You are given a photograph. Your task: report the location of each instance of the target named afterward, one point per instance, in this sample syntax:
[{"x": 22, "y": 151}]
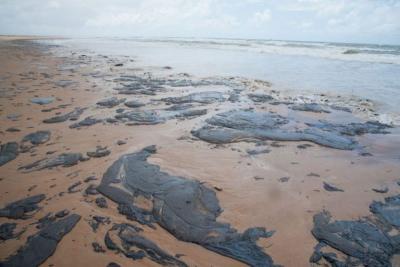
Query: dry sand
[{"x": 286, "y": 207}]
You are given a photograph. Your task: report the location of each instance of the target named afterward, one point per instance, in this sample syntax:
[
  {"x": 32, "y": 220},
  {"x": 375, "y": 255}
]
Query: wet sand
[{"x": 247, "y": 186}]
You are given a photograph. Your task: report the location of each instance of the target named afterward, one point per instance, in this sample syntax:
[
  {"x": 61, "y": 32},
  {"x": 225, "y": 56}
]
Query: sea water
[{"x": 363, "y": 70}]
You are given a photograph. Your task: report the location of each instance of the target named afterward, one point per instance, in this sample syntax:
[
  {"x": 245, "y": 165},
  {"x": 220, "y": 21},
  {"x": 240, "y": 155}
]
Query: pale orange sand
[{"x": 287, "y": 207}]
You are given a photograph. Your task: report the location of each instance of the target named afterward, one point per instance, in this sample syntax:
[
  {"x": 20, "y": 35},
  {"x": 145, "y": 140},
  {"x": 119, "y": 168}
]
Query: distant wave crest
[
  {"x": 351, "y": 51},
  {"x": 342, "y": 51}
]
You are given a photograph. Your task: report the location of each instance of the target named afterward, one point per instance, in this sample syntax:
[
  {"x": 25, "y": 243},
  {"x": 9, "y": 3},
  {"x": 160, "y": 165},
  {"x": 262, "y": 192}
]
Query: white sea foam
[{"x": 389, "y": 54}]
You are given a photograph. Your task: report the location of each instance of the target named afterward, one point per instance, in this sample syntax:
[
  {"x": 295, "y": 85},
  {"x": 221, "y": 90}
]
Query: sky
[{"x": 361, "y": 21}]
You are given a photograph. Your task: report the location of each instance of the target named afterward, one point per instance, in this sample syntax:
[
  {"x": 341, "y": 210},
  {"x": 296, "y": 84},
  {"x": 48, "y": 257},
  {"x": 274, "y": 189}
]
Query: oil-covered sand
[{"x": 222, "y": 155}]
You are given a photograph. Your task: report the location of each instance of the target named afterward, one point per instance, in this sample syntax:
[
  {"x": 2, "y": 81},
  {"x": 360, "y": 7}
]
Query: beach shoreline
[{"x": 246, "y": 177}]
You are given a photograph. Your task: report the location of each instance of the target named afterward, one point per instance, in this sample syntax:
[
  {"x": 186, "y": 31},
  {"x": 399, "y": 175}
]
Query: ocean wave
[
  {"x": 351, "y": 51},
  {"x": 389, "y": 54},
  {"x": 372, "y": 52}
]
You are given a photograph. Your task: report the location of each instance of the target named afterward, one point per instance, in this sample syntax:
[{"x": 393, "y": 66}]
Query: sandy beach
[{"x": 264, "y": 158}]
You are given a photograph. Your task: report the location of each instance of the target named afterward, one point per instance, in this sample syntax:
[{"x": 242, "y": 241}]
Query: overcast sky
[{"x": 374, "y": 21}]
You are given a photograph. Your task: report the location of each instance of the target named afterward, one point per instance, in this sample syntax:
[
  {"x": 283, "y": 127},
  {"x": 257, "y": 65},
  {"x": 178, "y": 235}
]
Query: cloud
[
  {"x": 54, "y": 4},
  {"x": 262, "y": 17},
  {"x": 356, "y": 20},
  {"x": 330, "y": 20}
]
